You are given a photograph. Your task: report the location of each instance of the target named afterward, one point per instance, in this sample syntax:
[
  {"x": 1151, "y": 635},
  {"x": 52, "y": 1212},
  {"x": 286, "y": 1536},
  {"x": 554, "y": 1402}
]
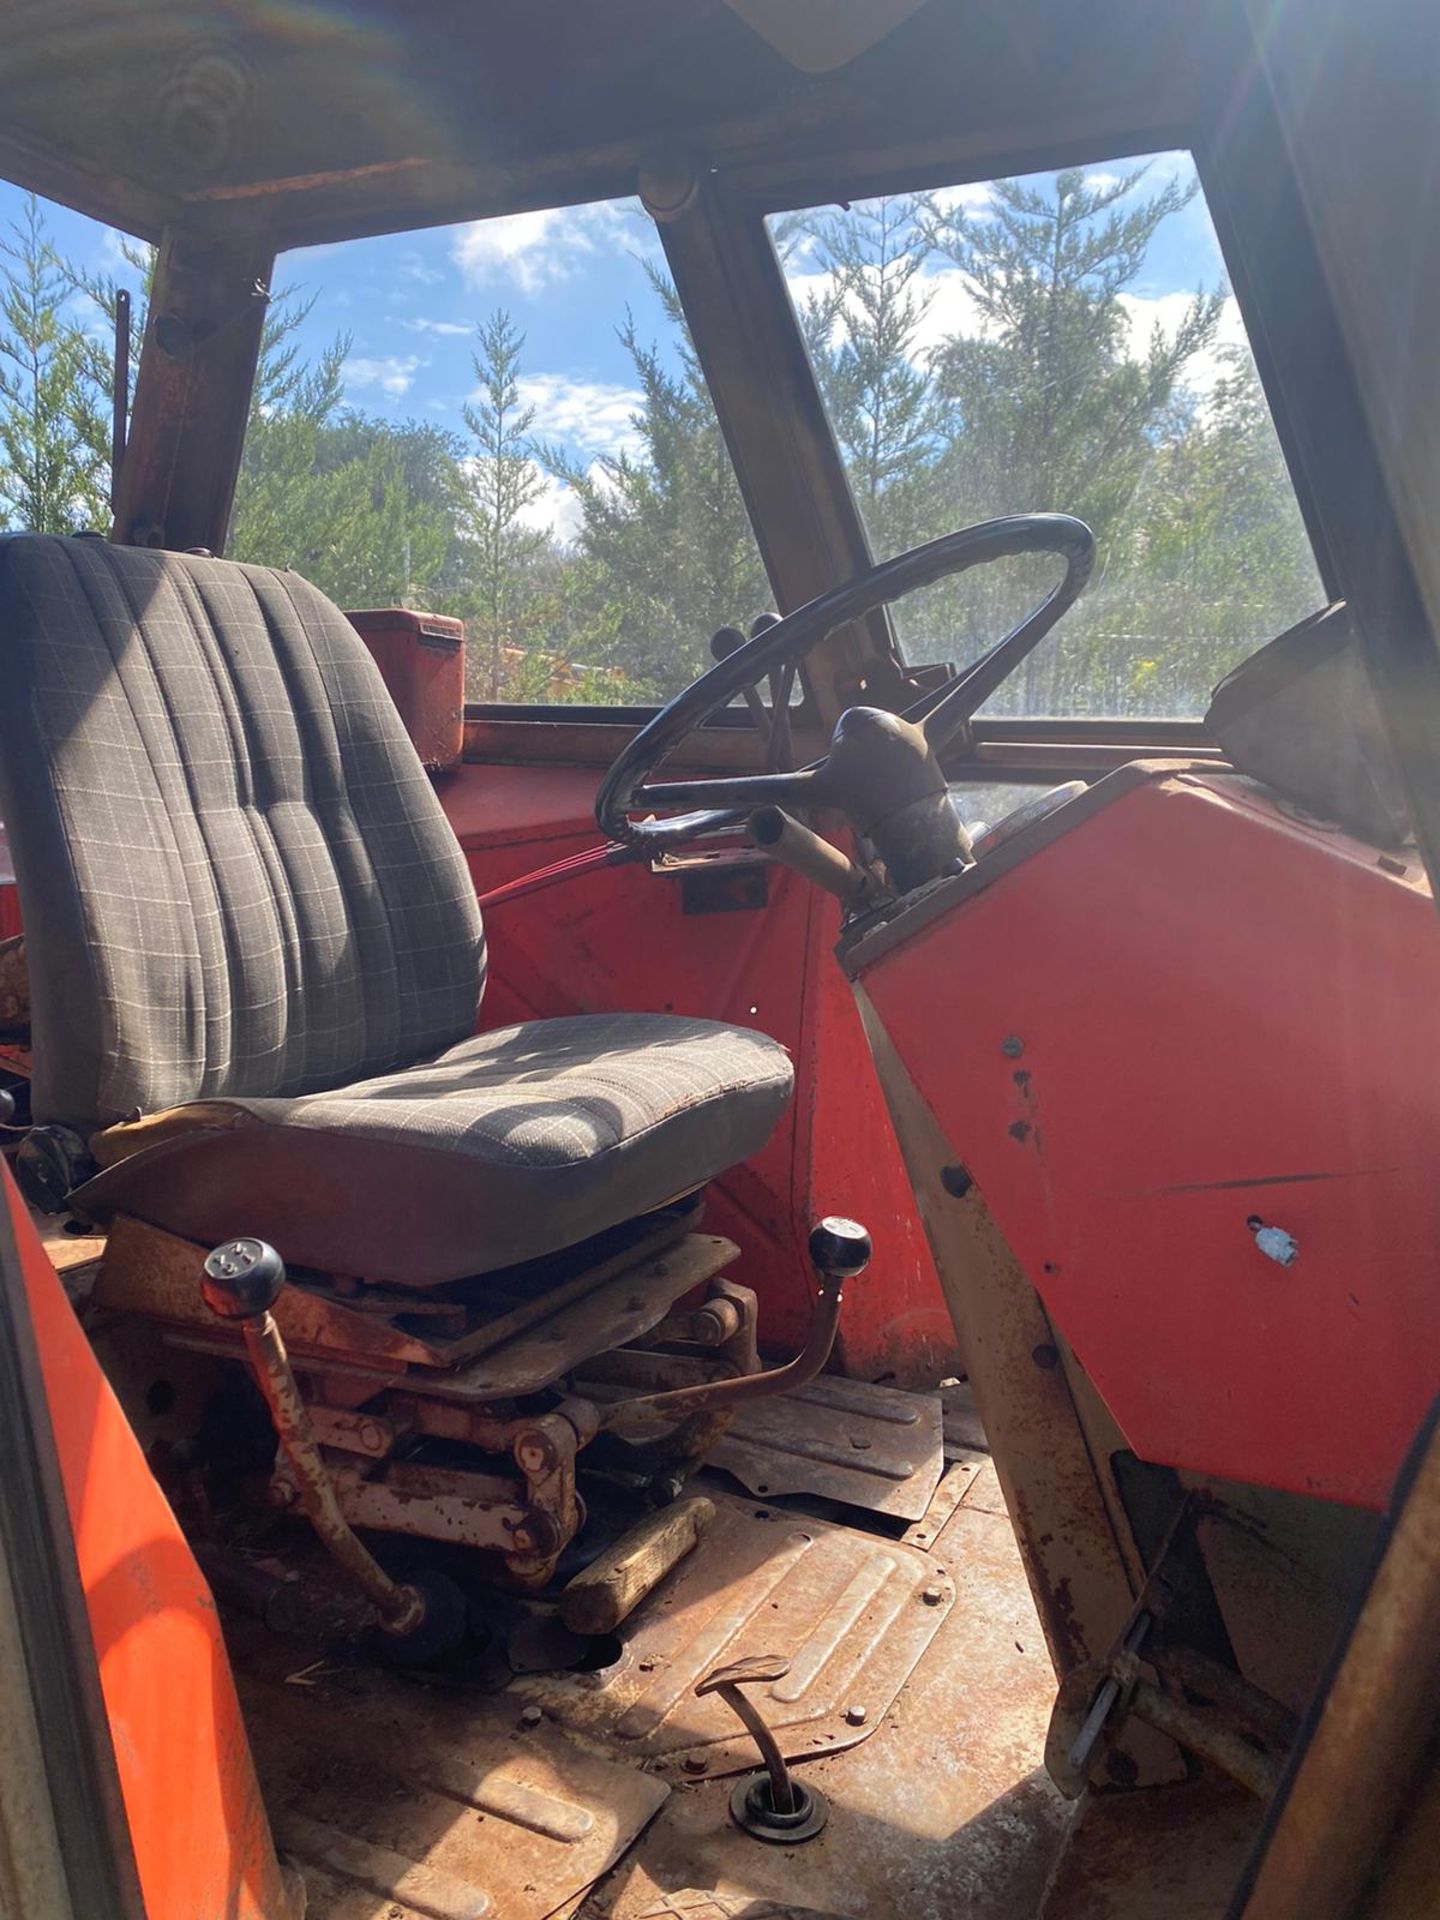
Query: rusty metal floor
[
  {"x": 851, "y": 1613},
  {"x": 870, "y": 1447},
  {"x": 944, "y": 1811},
  {"x": 401, "y": 1800}
]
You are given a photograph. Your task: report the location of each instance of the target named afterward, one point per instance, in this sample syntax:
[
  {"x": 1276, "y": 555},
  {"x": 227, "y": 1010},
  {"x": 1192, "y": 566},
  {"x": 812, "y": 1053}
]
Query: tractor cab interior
[{"x": 809, "y": 1292}]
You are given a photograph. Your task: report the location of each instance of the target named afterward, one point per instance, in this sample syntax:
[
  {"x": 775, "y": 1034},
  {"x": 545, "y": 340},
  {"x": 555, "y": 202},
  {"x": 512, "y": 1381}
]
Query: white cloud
[
  {"x": 413, "y": 266},
  {"x": 975, "y": 198},
  {"x": 393, "y": 375},
  {"x": 595, "y": 416},
  {"x": 530, "y": 249},
  {"x": 950, "y": 306},
  {"x": 1166, "y": 310},
  {"x": 449, "y": 328},
  {"x": 554, "y": 510}
]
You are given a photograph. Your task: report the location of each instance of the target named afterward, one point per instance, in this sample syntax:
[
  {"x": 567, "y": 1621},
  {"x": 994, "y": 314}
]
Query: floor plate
[
  {"x": 851, "y": 1613},
  {"x": 872, "y": 1447},
  {"x": 392, "y": 1797}
]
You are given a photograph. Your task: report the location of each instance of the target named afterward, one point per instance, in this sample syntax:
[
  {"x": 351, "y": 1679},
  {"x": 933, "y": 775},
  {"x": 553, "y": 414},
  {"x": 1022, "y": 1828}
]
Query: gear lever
[{"x": 243, "y": 1280}]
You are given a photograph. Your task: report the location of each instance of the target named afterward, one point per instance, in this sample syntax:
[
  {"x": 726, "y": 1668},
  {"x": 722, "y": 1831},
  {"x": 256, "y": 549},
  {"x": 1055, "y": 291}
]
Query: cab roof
[{"x": 311, "y": 120}]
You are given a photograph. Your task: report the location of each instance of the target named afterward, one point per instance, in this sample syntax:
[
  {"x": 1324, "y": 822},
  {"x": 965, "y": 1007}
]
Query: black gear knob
[
  {"x": 839, "y": 1248},
  {"x": 243, "y": 1279}
]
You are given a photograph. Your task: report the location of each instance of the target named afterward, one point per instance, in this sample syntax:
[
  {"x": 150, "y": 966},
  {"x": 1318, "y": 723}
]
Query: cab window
[
  {"x": 504, "y": 420},
  {"x": 1063, "y": 341}
]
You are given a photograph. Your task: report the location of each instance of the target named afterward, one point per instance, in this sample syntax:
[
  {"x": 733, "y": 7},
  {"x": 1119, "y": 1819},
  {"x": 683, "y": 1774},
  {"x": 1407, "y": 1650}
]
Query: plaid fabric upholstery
[
  {"x": 546, "y": 1133},
  {"x": 552, "y": 1093},
  {"x": 235, "y": 876}
]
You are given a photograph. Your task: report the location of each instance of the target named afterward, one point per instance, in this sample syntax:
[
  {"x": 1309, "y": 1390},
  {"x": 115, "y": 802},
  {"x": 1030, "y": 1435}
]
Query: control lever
[
  {"x": 772, "y": 1804},
  {"x": 840, "y": 1250},
  {"x": 243, "y": 1280}
]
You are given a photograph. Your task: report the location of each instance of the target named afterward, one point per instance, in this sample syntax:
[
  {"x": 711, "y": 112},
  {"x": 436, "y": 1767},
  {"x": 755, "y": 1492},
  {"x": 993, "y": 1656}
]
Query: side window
[
  {"x": 1064, "y": 342},
  {"x": 59, "y": 275},
  {"x": 504, "y": 420}
]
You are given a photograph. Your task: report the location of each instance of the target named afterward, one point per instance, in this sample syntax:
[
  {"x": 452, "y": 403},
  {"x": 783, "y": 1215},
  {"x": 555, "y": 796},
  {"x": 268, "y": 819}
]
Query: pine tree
[
  {"x": 500, "y": 481},
  {"x": 863, "y": 333},
  {"x": 665, "y": 549},
  {"x": 1048, "y": 411},
  {"x": 54, "y": 417}
]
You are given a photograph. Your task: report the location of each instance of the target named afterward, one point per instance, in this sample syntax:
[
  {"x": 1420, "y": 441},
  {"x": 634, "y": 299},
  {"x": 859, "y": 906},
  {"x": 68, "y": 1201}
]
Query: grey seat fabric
[
  {"x": 511, "y": 1145},
  {"x": 234, "y": 873},
  {"x": 243, "y": 902}
]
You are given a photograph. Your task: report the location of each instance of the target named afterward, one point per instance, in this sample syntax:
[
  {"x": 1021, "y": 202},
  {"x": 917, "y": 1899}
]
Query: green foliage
[
  {"x": 495, "y": 487},
  {"x": 863, "y": 333},
  {"x": 665, "y": 553},
  {"x": 1039, "y": 399},
  {"x": 54, "y": 416}
]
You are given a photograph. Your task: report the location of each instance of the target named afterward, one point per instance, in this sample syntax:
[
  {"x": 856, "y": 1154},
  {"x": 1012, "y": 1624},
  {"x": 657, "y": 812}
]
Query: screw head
[
  {"x": 856, "y": 1716},
  {"x": 696, "y": 1763},
  {"x": 1012, "y": 1046}
]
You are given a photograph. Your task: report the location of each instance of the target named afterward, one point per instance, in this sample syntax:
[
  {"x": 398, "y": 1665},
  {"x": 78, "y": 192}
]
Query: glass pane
[
  {"x": 503, "y": 420},
  {"x": 1065, "y": 341},
  {"x": 58, "y": 278}
]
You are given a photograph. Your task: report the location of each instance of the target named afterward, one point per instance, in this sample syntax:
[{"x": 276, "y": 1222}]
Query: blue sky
[{"x": 409, "y": 304}]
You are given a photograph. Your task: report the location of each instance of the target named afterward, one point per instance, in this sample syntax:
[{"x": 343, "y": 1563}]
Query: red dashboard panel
[{"x": 1175, "y": 1011}]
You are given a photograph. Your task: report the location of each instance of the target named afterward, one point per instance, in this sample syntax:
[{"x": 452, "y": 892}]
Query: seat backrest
[{"x": 234, "y": 873}]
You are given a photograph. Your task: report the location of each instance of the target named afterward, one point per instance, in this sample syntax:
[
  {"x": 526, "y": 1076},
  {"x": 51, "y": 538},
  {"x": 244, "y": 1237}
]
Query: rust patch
[{"x": 846, "y": 1609}]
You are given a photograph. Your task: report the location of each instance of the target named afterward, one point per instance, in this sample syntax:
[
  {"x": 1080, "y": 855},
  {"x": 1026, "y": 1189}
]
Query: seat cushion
[{"x": 511, "y": 1145}]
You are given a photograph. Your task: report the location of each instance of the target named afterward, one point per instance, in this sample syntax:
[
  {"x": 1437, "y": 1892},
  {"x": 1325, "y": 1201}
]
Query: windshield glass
[
  {"x": 505, "y": 421},
  {"x": 1068, "y": 342}
]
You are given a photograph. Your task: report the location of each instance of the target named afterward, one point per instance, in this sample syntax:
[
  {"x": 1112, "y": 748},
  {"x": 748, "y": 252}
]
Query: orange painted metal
[
  {"x": 1195, "y": 1013},
  {"x": 621, "y": 938},
  {"x": 202, "y": 1842}
]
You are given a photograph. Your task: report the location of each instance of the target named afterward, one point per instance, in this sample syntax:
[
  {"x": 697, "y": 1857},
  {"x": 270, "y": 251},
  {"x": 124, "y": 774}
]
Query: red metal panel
[
  {"x": 9, "y": 895},
  {"x": 1194, "y": 1010},
  {"x": 620, "y": 938}
]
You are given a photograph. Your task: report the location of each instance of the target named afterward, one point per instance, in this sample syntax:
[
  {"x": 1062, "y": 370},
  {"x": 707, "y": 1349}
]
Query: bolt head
[
  {"x": 856, "y": 1716},
  {"x": 696, "y": 1763},
  {"x": 932, "y": 1596},
  {"x": 531, "y": 1716}
]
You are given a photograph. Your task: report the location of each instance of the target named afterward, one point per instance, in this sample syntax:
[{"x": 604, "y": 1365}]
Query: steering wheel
[{"x": 881, "y": 770}]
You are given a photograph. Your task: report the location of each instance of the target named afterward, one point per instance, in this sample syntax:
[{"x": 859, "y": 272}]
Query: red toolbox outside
[{"x": 421, "y": 657}]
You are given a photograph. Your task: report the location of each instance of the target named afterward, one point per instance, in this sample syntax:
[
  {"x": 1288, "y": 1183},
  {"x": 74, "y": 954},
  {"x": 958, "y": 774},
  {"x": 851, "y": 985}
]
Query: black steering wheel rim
[{"x": 941, "y": 712}]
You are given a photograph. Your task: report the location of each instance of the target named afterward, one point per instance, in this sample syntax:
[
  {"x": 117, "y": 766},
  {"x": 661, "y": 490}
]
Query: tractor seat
[{"x": 257, "y": 962}]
